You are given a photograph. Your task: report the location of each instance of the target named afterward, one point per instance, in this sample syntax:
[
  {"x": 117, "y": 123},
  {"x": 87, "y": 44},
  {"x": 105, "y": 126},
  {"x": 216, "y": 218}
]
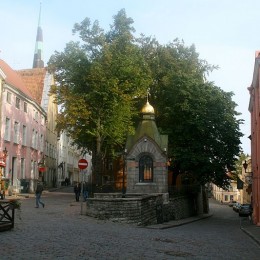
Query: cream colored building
[{"x": 226, "y": 195}]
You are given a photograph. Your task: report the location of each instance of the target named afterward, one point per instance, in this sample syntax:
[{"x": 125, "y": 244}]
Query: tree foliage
[
  {"x": 101, "y": 84},
  {"x": 199, "y": 117},
  {"x": 98, "y": 82}
]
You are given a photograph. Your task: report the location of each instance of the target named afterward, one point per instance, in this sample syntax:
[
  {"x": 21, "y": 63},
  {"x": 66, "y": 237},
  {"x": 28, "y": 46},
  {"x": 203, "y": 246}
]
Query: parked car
[
  {"x": 231, "y": 203},
  {"x": 245, "y": 210},
  {"x": 236, "y": 206}
]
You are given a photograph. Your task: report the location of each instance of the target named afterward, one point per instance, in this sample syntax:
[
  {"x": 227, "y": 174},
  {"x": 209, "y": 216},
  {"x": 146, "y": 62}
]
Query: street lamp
[
  {"x": 245, "y": 165},
  {"x": 248, "y": 177},
  {"x": 123, "y": 186}
]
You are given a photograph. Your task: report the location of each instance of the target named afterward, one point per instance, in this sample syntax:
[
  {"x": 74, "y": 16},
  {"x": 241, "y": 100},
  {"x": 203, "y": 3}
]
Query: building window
[
  {"x": 32, "y": 170},
  {"x": 8, "y": 97},
  {"x": 35, "y": 115},
  {"x": 24, "y": 135},
  {"x": 146, "y": 169},
  {"x": 41, "y": 143},
  {"x": 25, "y": 109},
  {"x": 33, "y": 138},
  {"x": 22, "y": 168},
  {"x": 36, "y": 140},
  {"x": 42, "y": 120},
  {"x": 16, "y": 132},
  {"x": 7, "y": 129},
  {"x": 17, "y": 102}
]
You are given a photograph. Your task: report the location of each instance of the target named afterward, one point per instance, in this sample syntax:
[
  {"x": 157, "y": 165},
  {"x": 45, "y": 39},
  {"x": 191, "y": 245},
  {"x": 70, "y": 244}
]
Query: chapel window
[{"x": 146, "y": 169}]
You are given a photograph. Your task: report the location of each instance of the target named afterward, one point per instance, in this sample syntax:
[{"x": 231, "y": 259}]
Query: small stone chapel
[{"x": 146, "y": 159}]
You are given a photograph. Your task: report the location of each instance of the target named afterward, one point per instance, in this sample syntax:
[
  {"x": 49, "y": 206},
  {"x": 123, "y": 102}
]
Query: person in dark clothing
[
  {"x": 77, "y": 191},
  {"x": 67, "y": 181},
  {"x": 38, "y": 194},
  {"x": 85, "y": 191}
]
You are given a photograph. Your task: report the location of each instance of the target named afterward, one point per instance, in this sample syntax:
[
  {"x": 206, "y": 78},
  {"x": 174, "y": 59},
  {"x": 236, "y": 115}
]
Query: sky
[{"x": 224, "y": 32}]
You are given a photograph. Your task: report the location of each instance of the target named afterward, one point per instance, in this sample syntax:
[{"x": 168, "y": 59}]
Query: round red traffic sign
[
  {"x": 83, "y": 164},
  {"x": 41, "y": 169}
]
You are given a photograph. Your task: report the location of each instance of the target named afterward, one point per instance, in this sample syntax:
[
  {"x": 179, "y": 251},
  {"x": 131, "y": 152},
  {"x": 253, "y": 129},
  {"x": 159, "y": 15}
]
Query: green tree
[
  {"x": 199, "y": 118},
  {"x": 98, "y": 82},
  {"x": 101, "y": 84}
]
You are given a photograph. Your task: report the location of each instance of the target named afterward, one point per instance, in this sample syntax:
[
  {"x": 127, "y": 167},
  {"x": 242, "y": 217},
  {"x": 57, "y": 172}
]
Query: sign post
[{"x": 82, "y": 164}]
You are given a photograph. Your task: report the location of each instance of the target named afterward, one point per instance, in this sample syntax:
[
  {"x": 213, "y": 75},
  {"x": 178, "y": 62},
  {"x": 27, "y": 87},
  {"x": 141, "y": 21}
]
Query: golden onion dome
[{"x": 147, "y": 109}]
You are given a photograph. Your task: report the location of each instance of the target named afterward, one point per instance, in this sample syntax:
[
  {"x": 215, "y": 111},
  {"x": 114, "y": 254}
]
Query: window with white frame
[
  {"x": 22, "y": 168},
  {"x": 8, "y": 97},
  {"x": 32, "y": 169},
  {"x": 17, "y": 102},
  {"x": 36, "y": 116},
  {"x": 25, "y": 107},
  {"x": 42, "y": 120},
  {"x": 47, "y": 148},
  {"x": 24, "y": 135},
  {"x": 7, "y": 129},
  {"x": 41, "y": 143},
  {"x": 36, "y": 140},
  {"x": 16, "y": 132},
  {"x": 33, "y": 139}
]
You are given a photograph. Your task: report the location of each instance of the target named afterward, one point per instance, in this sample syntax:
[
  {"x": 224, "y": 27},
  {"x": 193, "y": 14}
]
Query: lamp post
[
  {"x": 123, "y": 185},
  {"x": 245, "y": 165}
]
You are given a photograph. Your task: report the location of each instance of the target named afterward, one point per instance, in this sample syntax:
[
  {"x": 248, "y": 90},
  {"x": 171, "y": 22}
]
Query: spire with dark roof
[{"x": 38, "y": 53}]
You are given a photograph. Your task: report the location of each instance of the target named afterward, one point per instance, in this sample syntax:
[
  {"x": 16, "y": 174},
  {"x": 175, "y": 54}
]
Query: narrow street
[{"x": 58, "y": 231}]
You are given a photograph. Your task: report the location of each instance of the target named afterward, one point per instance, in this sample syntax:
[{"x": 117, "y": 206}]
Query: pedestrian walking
[
  {"x": 38, "y": 194},
  {"x": 77, "y": 191},
  {"x": 67, "y": 181},
  {"x": 85, "y": 191}
]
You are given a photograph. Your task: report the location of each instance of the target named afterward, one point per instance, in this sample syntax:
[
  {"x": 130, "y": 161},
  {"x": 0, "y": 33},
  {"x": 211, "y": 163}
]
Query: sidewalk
[
  {"x": 32, "y": 195},
  {"x": 250, "y": 229},
  {"x": 180, "y": 222}
]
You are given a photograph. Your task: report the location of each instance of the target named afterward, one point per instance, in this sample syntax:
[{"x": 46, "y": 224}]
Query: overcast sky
[{"x": 224, "y": 32}]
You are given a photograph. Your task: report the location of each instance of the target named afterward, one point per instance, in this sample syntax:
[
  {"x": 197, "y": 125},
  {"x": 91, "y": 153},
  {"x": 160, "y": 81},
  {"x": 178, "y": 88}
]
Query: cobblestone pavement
[{"x": 58, "y": 231}]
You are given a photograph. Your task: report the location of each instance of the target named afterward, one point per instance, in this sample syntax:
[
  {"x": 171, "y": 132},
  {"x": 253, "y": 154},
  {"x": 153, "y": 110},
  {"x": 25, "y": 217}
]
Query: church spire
[{"x": 38, "y": 53}]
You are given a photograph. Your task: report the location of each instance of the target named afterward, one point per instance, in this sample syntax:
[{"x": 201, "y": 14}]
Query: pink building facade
[
  {"x": 254, "y": 108},
  {"x": 22, "y": 131}
]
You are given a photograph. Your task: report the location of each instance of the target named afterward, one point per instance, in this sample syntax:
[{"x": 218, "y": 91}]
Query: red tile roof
[
  {"x": 34, "y": 81},
  {"x": 13, "y": 78}
]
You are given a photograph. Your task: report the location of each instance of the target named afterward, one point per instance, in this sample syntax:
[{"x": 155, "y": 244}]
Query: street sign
[
  {"x": 41, "y": 169},
  {"x": 83, "y": 164}
]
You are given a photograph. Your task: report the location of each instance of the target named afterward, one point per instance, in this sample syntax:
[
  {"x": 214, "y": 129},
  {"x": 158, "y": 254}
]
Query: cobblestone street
[{"x": 58, "y": 231}]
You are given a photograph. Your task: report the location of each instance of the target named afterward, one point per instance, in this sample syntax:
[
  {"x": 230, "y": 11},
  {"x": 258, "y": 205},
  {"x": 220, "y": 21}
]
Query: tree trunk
[{"x": 97, "y": 161}]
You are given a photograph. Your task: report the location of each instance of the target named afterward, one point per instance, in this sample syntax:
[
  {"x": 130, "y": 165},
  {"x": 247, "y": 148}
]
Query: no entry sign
[{"x": 83, "y": 164}]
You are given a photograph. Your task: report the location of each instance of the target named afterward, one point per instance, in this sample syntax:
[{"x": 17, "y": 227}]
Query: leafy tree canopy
[
  {"x": 199, "y": 117},
  {"x": 101, "y": 84}
]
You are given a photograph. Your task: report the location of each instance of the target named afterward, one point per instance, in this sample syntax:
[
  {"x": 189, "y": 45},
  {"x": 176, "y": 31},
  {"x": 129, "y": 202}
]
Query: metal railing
[{"x": 7, "y": 210}]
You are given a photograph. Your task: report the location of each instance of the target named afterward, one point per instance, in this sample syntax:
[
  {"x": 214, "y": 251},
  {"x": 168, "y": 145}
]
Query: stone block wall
[
  {"x": 140, "y": 210},
  {"x": 182, "y": 207}
]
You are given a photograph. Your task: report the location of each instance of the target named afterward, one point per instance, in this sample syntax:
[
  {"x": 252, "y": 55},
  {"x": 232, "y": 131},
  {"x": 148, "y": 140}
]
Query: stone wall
[
  {"x": 179, "y": 208},
  {"x": 141, "y": 209}
]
